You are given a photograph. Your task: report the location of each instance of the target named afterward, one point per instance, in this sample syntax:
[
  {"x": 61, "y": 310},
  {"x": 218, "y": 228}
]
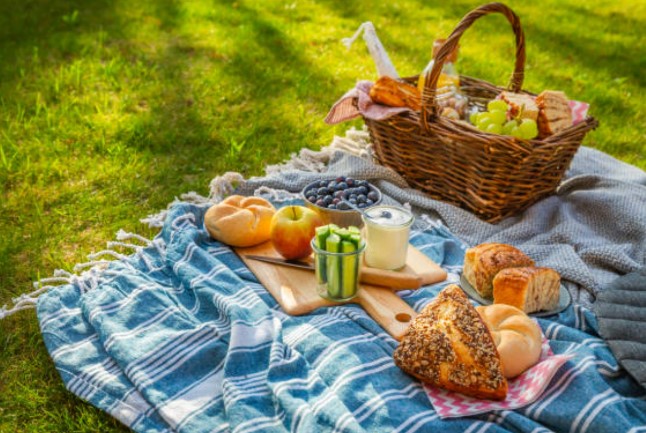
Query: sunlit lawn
[{"x": 110, "y": 109}]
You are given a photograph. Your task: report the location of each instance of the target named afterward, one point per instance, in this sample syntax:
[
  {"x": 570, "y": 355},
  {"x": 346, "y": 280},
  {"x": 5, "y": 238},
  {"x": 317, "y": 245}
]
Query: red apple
[{"x": 292, "y": 230}]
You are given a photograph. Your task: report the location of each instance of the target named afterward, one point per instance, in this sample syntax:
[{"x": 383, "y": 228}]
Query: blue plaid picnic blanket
[{"x": 181, "y": 337}]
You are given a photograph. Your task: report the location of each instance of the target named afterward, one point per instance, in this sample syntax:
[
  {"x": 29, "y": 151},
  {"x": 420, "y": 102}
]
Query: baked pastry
[
  {"x": 483, "y": 262},
  {"x": 517, "y": 337},
  {"x": 521, "y": 103},
  {"x": 529, "y": 289},
  {"x": 395, "y": 93},
  {"x": 449, "y": 346},
  {"x": 555, "y": 113},
  {"x": 240, "y": 221}
]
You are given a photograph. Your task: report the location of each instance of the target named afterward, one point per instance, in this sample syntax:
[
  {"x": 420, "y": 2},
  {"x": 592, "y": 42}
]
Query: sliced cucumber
[
  {"x": 349, "y": 270},
  {"x": 354, "y": 230},
  {"x": 333, "y": 265},
  {"x": 343, "y": 233},
  {"x": 321, "y": 234},
  {"x": 356, "y": 240}
]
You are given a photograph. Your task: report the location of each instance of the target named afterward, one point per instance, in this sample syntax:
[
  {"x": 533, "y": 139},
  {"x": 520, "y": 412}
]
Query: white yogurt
[{"x": 387, "y": 232}]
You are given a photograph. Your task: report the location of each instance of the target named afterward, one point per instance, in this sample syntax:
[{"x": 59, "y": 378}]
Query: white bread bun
[
  {"x": 240, "y": 221},
  {"x": 517, "y": 337}
]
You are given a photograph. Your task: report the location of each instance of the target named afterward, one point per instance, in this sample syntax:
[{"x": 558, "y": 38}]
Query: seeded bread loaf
[
  {"x": 529, "y": 289},
  {"x": 449, "y": 346},
  {"x": 483, "y": 262}
]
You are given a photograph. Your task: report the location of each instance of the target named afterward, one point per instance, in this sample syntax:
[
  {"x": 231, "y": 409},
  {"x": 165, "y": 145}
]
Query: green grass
[{"x": 110, "y": 109}]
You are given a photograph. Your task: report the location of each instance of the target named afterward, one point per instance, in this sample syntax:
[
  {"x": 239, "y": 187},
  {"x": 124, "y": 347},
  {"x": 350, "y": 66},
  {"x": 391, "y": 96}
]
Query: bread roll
[
  {"x": 483, "y": 262},
  {"x": 240, "y": 221},
  {"x": 448, "y": 345},
  {"x": 517, "y": 337},
  {"x": 395, "y": 93},
  {"x": 555, "y": 113},
  {"x": 529, "y": 289}
]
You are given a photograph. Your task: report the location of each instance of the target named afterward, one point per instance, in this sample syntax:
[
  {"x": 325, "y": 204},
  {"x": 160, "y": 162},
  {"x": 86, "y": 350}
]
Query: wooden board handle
[{"x": 387, "y": 309}]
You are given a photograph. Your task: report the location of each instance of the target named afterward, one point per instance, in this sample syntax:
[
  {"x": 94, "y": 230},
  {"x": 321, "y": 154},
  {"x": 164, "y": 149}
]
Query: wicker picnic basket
[{"x": 493, "y": 176}]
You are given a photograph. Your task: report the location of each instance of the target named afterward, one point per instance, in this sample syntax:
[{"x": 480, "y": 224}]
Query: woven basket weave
[{"x": 493, "y": 176}]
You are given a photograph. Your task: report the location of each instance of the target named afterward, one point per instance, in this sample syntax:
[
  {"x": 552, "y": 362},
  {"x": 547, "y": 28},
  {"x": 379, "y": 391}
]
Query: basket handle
[{"x": 430, "y": 82}]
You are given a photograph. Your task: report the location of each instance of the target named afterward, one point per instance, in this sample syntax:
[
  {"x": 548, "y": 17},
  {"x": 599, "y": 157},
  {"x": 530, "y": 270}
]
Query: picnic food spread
[
  {"x": 517, "y": 337},
  {"x": 449, "y": 346},
  {"x": 240, "y": 221}
]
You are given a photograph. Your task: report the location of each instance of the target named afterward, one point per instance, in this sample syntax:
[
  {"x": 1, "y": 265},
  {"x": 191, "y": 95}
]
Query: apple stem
[{"x": 294, "y": 212}]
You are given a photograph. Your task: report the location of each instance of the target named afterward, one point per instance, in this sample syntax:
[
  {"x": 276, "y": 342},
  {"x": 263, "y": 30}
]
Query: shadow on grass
[
  {"x": 614, "y": 58},
  {"x": 47, "y": 31},
  {"x": 259, "y": 75}
]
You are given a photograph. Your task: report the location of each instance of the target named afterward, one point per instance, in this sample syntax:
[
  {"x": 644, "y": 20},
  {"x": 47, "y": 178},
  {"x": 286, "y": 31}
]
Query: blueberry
[
  {"x": 311, "y": 199},
  {"x": 340, "y": 179},
  {"x": 361, "y": 183},
  {"x": 342, "y": 206},
  {"x": 320, "y": 202},
  {"x": 341, "y": 186},
  {"x": 351, "y": 182},
  {"x": 386, "y": 214},
  {"x": 363, "y": 190},
  {"x": 331, "y": 184},
  {"x": 353, "y": 201},
  {"x": 361, "y": 198},
  {"x": 369, "y": 202},
  {"x": 331, "y": 206},
  {"x": 353, "y": 197},
  {"x": 338, "y": 194},
  {"x": 361, "y": 205},
  {"x": 372, "y": 195},
  {"x": 322, "y": 190},
  {"x": 336, "y": 201},
  {"x": 327, "y": 200},
  {"x": 322, "y": 183}
]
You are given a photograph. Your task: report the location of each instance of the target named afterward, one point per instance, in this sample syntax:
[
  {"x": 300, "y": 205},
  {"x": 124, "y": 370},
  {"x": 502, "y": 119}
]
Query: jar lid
[{"x": 453, "y": 57}]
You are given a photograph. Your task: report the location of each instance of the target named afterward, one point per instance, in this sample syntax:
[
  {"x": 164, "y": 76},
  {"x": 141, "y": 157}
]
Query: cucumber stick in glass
[
  {"x": 333, "y": 265},
  {"x": 321, "y": 234},
  {"x": 349, "y": 269}
]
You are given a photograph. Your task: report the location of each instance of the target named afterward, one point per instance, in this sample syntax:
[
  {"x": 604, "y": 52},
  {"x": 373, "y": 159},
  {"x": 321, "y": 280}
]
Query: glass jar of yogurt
[{"x": 387, "y": 229}]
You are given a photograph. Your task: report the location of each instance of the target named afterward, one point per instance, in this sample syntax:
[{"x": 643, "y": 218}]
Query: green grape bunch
[{"x": 494, "y": 121}]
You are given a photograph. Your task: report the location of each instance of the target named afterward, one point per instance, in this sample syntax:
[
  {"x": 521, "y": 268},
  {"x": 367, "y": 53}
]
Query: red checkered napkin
[{"x": 523, "y": 389}]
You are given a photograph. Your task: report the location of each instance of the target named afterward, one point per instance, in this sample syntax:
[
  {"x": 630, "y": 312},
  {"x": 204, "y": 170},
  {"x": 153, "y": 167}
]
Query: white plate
[{"x": 564, "y": 298}]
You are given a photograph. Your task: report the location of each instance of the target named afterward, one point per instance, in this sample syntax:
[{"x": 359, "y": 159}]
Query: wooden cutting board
[{"x": 295, "y": 289}]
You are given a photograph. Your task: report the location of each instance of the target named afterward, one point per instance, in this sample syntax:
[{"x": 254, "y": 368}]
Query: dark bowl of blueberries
[{"x": 330, "y": 198}]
